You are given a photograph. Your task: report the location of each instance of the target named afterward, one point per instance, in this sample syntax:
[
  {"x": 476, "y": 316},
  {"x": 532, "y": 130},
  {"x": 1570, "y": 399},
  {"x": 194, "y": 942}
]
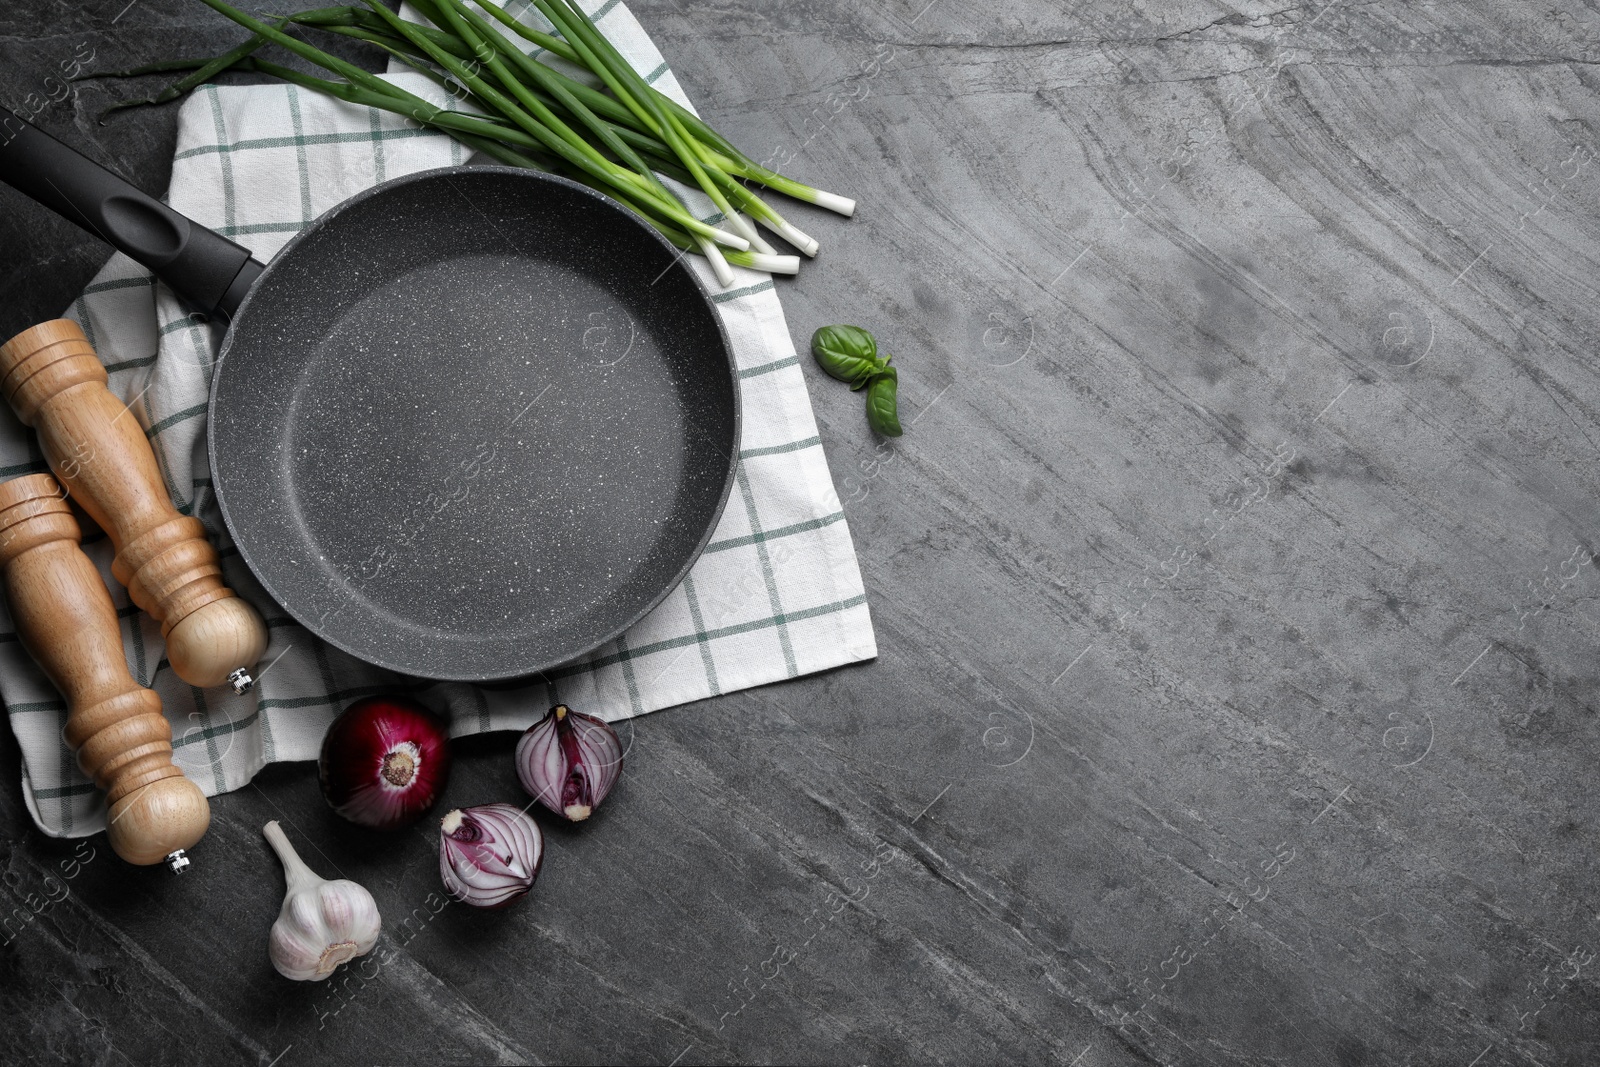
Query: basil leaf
[
  {"x": 848, "y": 353},
  {"x": 882, "y": 404}
]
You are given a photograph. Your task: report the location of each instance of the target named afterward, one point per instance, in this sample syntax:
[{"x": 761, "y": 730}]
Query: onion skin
[
  {"x": 569, "y": 761},
  {"x": 385, "y": 762},
  {"x": 489, "y": 855}
]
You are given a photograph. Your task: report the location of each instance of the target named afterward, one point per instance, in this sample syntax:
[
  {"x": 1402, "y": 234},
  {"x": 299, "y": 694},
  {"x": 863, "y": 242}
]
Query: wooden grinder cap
[{"x": 66, "y": 620}]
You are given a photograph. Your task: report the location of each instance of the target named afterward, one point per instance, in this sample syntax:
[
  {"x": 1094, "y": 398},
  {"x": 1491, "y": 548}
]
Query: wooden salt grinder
[
  {"x": 66, "y": 620},
  {"x": 55, "y": 382}
]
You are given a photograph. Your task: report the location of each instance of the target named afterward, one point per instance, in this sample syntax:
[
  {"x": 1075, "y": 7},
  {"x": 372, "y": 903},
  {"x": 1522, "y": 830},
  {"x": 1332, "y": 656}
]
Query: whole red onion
[
  {"x": 384, "y": 762},
  {"x": 569, "y": 761},
  {"x": 489, "y": 855}
]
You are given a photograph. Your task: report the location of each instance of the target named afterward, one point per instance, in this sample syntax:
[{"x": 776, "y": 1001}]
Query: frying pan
[{"x": 467, "y": 425}]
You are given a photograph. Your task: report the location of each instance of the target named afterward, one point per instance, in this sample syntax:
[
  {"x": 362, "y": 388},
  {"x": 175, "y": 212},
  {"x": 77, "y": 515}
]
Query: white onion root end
[
  {"x": 794, "y": 236},
  {"x": 834, "y": 202},
  {"x": 719, "y": 265}
]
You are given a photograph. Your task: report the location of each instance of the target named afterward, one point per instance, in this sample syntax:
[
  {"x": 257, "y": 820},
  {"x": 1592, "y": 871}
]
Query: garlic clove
[
  {"x": 322, "y": 923},
  {"x": 286, "y": 943},
  {"x": 349, "y": 913}
]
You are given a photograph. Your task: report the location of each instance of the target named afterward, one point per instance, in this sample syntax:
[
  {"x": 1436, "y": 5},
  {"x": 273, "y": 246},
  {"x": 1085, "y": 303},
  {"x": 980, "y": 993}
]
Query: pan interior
[{"x": 473, "y": 424}]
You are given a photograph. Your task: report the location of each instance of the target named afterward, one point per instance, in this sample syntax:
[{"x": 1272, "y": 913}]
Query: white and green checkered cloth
[{"x": 777, "y": 594}]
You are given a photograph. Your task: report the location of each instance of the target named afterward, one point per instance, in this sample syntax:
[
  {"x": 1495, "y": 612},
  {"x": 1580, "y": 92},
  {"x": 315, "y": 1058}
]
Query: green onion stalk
[
  {"x": 485, "y": 136},
  {"x": 618, "y": 135},
  {"x": 529, "y": 112}
]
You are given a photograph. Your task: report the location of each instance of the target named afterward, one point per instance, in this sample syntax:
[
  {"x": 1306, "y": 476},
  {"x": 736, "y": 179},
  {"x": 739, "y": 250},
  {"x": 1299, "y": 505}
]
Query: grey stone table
[{"x": 1234, "y": 583}]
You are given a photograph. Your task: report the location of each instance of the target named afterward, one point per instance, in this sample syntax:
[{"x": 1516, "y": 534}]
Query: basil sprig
[{"x": 850, "y": 354}]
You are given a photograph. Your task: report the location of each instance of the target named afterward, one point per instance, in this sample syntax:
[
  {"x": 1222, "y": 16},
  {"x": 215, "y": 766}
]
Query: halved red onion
[
  {"x": 384, "y": 762},
  {"x": 489, "y": 855},
  {"x": 569, "y": 761}
]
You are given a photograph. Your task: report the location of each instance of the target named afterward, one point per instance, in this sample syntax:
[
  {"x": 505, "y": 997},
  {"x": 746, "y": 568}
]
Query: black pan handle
[{"x": 203, "y": 267}]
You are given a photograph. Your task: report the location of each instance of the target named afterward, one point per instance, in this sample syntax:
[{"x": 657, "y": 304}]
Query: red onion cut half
[
  {"x": 489, "y": 855},
  {"x": 569, "y": 761},
  {"x": 384, "y": 762}
]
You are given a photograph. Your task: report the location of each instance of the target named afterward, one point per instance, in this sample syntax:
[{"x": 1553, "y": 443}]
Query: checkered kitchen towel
[{"x": 777, "y": 593}]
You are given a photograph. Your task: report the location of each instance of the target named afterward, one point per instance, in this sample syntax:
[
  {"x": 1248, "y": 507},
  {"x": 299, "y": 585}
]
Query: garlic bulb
[{"x": 322, "y": 924}]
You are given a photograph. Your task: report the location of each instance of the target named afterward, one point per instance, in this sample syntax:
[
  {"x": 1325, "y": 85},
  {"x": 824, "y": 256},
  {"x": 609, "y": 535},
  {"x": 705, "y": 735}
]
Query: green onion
[
  {"x": 543, "y": 40},
  {"x": 204, "y": 70},
  {"x": 553, "y": 134},
  {"x": 618, "y": 135},
  {"x": 625, "y": 82}
]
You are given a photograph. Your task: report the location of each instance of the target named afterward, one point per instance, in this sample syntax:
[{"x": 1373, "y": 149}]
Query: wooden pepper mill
[
  {"x": 66, "y": 620},
  {"x": 56, "y": 384}
]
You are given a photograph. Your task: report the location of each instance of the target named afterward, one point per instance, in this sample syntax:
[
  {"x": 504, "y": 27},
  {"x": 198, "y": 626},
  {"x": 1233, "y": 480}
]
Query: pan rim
[{"x": 533, "y": 669}]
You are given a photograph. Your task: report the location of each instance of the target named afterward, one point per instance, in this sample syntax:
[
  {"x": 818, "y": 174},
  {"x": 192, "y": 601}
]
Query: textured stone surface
[{"x": 1237, "y": 692}]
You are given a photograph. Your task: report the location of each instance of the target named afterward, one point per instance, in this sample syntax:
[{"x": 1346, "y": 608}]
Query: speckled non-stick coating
[{"x": 474, "y": 423}]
